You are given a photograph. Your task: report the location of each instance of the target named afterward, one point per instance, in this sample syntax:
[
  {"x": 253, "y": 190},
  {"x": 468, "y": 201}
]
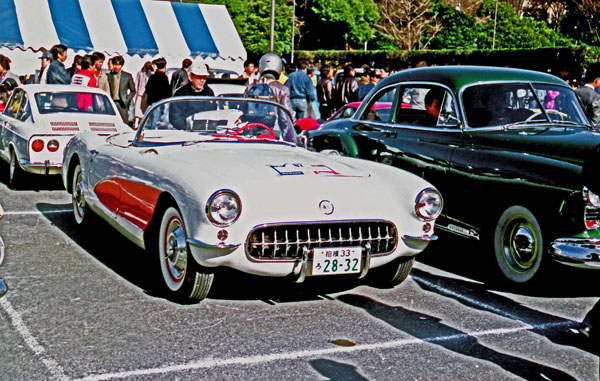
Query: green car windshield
[{"x": 502, "y": 104}]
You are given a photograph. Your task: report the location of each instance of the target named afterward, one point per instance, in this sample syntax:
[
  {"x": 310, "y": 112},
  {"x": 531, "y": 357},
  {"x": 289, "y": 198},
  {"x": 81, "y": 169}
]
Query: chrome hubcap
[
  {"x": 78, "y": 199},
  {"x": 176, "y": 251},
  {"x": 520, "y": 246}
]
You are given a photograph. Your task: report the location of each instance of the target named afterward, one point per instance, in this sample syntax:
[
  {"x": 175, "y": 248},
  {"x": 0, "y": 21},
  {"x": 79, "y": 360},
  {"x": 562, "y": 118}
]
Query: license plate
[{"x": 336, "y": 260}]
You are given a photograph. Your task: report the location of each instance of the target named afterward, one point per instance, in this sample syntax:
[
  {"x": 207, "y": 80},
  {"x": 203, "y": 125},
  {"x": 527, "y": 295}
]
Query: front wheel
[
  {"x": 181, "y": 276},
  {"x": 518, "y": 244},
  {"x": 391, "y": 274},
  {"x": 81, "y": 211}
]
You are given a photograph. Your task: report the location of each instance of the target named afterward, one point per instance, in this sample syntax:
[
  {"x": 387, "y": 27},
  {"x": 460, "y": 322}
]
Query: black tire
[
  {"x": 15, "y": 172},
  {"x": 392, "y": 274},
  {"x": 181, "y": 278},
  {"x": 518, "y": 244},
  {"x": 81, "y": 212}
]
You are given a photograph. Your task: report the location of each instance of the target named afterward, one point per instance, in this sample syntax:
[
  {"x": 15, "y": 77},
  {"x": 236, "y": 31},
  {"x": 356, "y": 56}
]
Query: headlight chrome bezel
[
  {"x": 427, "y": 199},
  {"x": 223, "y": 197}
]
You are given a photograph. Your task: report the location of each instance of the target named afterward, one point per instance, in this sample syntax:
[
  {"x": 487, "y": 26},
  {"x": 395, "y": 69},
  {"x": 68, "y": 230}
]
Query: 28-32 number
[{"x": 348, "y": 265}]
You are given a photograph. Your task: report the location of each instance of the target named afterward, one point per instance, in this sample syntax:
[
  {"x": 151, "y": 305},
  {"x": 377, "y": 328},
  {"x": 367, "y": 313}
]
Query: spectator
[
  {"x": 75, "y": 66},
  {"x": 85, "y": 77},
  {"x": 42, "y": 75},
  {"x": 181, "y": 77},
  {"x": 121, "y": 86},
  {"x": 325, "y": 92},
  {"x": 249, "y": 72},
  {"x": 5, "y": 72},
  {"x": 301, "y": 90},
  {"x": 98, "y": 60},
  {"x": 158, "y": 87},
  {"x": 346, "y": 88},
  {"x": 365, "y": 85},
  {"x": 141, "y": 80},
  {"x": 282, "y": 75},
  {"x": 6, "y": 89},
  {"x": 196, "y": 86},
  {"x": 589, "y": 98},
  {"x": 271, "y": 67},
  {"x": 57, "y": 74},
  {"x": 433, "y": 105}
]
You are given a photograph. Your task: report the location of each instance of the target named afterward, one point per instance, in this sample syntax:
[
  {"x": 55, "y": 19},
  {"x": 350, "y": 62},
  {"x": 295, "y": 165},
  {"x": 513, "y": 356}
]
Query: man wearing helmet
[{"x": 270, "y": 67}]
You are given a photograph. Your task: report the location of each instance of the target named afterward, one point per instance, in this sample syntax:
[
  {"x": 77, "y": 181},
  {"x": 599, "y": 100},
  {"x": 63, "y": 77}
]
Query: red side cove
[{"x": 133, "y": 201}]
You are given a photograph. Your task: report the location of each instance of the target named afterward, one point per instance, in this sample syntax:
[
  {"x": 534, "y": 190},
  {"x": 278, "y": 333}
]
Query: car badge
[{"x": 326, "y": 207}]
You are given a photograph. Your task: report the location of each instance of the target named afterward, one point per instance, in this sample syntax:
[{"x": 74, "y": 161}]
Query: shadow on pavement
[
  {"x": 471, "y": 260},
  {"x": 477, "y": 296},
  {"x": 134, "y": 265},
  {"x": 336, "y": 371},
  {"x": 430, "y": 329}
]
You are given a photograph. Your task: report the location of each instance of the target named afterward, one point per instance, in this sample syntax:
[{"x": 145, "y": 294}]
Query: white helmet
[{"x": 270, "y": 63}]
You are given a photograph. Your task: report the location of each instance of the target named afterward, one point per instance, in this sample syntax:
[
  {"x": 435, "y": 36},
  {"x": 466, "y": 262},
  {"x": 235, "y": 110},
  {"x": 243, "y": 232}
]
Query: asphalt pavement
[{"x": 78, "y": 308}]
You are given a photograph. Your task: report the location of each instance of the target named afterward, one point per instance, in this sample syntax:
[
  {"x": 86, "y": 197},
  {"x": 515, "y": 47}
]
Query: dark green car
[{"x": 512, "y": 151}]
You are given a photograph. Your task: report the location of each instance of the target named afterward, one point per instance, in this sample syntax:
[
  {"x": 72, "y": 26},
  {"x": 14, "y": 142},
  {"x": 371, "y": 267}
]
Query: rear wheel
[
  {"x": 15, "y": 173},
  {"x": 182, "y": 278},
  {"x": 518, "y": 244},
  {"x": 391, "y": 274}
]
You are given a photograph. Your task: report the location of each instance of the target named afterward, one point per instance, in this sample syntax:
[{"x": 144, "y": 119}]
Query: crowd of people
[{"x": 307, "y": 90}]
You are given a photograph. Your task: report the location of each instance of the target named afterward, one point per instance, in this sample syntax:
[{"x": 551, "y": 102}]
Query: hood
[{"x": 258, "y": 162}]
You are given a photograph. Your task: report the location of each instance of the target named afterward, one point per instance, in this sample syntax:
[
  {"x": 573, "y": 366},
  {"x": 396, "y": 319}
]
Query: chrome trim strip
[
  {"x": 418, "y": 243},
  {"x": 228, "y": 247}
]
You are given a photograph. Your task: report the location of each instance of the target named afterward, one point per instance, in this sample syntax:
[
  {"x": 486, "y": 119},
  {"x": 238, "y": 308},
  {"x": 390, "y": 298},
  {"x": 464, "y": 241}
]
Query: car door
[
  {"x": 16, "y": 124},
  {"x": 406, "y": 137}
]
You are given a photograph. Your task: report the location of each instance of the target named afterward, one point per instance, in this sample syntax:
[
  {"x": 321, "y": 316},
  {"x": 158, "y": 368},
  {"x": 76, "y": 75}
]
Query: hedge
[{"x": 553, "y": 60}]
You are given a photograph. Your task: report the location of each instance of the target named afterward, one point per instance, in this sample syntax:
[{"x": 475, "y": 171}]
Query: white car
[
  {"x": 39, "y": 120},
  {"x": 215, "y": 181}
]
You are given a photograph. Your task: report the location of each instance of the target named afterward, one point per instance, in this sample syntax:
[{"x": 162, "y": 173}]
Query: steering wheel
[
  {"x": 270, "y": 135},
  {"x": 549, "y": 111}
]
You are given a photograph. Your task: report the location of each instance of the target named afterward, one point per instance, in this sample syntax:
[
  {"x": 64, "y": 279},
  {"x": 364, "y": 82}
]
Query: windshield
[
  {"x": 195, "y": 119},
  {"x": 73, "y": 102},
  {"x": 501, "y": 104}
]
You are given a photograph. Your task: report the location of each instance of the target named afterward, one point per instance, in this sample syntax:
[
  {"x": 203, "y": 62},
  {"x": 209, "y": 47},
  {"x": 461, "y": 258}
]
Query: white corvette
[
  {"x": 209, "y": 181},
  {"x": 39, "y": 120}
]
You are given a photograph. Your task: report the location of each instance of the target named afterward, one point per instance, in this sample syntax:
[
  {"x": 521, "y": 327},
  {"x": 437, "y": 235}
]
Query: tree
[
  {"x": 459, "y": 30},
  {"x": 513, "y": 32},
  {"x": 406, "y": 22},
  {"x": 337, "y": 24},
  {"x": 582, "y": 21},
  {"x": 252, "y": 19}
]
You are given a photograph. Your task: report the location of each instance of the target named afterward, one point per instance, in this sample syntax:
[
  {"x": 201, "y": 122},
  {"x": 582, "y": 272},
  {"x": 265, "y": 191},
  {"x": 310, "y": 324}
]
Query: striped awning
[{"x": 142, "y": 27}]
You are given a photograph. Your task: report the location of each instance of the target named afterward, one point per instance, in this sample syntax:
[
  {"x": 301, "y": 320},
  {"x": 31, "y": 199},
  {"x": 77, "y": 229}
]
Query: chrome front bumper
[{"x": 578, "y": 252}]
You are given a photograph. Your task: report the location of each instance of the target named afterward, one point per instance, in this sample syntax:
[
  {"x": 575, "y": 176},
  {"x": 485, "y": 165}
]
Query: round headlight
[
  {"x": 223, "y": 208},
  {"x": 428, "y": 205}
]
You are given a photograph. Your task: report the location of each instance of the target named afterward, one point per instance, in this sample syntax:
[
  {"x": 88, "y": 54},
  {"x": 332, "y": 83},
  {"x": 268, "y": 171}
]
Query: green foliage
[
  {"x": 459, "y": 29},
  {"x": 252, "y": 19},
  {"x": 338, "y": 23},
  {"x": 513, "y": 32}
]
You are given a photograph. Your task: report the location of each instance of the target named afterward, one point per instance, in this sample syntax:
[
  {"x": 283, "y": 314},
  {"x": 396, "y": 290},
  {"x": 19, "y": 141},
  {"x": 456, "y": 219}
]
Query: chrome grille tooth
[
  {"x": 263, "y": 245},
  {"x": 287, "y": 244}
]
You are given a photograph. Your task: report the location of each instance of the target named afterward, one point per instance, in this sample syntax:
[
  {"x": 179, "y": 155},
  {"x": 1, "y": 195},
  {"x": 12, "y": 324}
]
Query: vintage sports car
[
  {"x": 511, "y": 151},
  {"x": 216, "y": 181},
  {"x": 39, "y": 120}
]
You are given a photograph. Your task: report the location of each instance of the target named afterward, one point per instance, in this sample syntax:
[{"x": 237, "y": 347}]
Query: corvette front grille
[{"x": 287, "y": 242}]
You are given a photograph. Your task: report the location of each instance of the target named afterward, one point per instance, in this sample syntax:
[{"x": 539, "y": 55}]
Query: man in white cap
[
  {"x": 197, "y": 84},
  {"x": 179, "y": 111}
]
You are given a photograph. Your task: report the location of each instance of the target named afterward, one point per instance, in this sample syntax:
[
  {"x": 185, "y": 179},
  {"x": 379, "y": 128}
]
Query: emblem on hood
[{"x": 326, "y": 207}]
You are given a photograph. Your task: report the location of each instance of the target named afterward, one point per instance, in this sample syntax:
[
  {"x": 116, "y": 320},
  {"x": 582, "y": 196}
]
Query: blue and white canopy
[{"x": 121, "y": 27}]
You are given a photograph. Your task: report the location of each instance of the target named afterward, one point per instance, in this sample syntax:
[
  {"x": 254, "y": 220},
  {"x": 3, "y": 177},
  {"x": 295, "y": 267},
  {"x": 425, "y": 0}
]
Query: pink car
[{"x": 346, "y": 111}]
